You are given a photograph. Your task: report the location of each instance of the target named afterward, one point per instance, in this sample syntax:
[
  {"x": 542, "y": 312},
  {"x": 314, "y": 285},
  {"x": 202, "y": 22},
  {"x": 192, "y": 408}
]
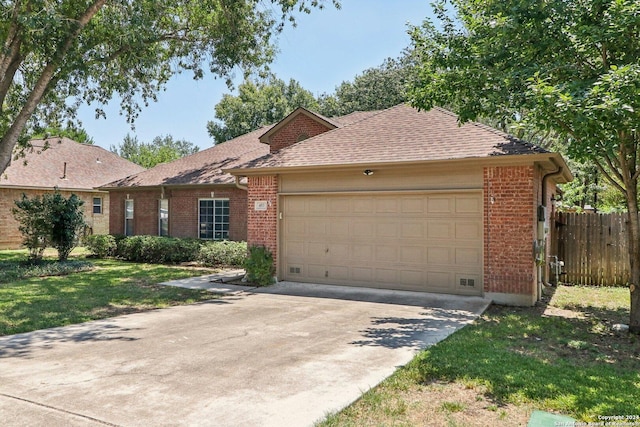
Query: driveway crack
[{"x": 64, "y": 411}]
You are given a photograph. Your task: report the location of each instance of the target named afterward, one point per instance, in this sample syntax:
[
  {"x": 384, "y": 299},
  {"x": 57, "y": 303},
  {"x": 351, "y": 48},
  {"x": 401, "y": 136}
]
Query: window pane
[{"x": 214, "y": 219}]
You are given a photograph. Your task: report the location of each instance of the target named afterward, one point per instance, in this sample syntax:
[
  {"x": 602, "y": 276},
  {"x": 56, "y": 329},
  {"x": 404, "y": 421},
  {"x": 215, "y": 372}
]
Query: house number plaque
[{"x": 260, "y": 205}]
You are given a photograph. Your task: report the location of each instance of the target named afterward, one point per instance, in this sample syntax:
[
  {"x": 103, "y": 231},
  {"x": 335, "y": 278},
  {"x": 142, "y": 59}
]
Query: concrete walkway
[{"x": 285, "y": 355}]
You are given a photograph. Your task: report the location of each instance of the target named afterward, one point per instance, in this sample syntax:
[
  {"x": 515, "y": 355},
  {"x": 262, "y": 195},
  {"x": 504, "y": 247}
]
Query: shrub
[
  {"x": 101, "y": 245},
  {"x": 156, "y": 249},
  {"x": 223, "y": 253},
  {"x": 259, "y": 266},
  {"x": 49, "y": 220}
]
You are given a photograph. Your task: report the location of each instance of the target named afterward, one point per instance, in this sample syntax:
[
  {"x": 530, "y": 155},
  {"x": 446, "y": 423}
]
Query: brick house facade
[{"x": 433, "y": 159}]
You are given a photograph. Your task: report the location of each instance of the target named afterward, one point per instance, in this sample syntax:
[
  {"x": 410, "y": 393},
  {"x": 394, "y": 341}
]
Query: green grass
[
  {"x": 111, "y": 288},
  {"x": 564, "y": 359}
]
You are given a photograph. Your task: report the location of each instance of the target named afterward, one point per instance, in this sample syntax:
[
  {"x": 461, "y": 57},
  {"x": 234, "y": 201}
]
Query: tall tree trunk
[
  {"x": 634, "y": 256},
  {"x": 10, "y": 138}
]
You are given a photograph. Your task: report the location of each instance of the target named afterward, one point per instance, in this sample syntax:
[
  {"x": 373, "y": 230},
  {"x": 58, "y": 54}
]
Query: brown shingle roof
[
  {"x": 203, "y": 167},
  {"x": 87, "y": 166},
  {"x": 398, "y": 134}
]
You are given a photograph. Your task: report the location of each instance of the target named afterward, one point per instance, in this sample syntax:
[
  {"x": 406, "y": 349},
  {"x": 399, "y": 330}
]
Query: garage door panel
[
  {"x": 387, "y": 205},
  {"x": 386, "y": 253},
  {"x": 363, "y": 229},
  {"x": 439, "y": 255},
  {"x": 468, "y": 231},
  {"x": 412, "y": 205},
  {"x": 339, "y": 251},
  {"x": 339, "y": 228},
  {"x": 428, "y": 242},
  {"x": 440, "y": 230},
  {"x": 468, "y": 205},
  {"x": 361, "y": 252},
  {"x": 386, "y": 275},
  {"x": 387, "y": 230},
  {"x": 468, "y": 256},
  {"x": 439, "y": 205},
  {"x": 412, "y": 230},
  {"x": 316, "y": 250},
  {"x": 439, "y": 279},
  {"x": 412, "y": 254},
  {"x": 363, "y": 205}
]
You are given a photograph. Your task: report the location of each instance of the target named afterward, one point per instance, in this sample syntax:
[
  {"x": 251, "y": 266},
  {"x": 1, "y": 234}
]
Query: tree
[
  {"x": 49, "y": 220},
  {"x": 257, "y": 104},
  {"x": 571, "y": 67},
  {"x": 375, "y": 89},
  {"x": 66, "y": 220},
  {"x": 57, "y": 55},
  {"x": 161, "y": 150},
  {"x": 77, "y": 134}
]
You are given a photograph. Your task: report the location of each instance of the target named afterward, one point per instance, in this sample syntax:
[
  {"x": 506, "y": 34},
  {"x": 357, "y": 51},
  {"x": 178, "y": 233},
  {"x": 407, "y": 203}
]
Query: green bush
[
  {"x": 49, "y": 220},
  {"x": 101, "y": 245},
  {"x": 223, "y": 253},
  {"x": 259, "y": 266},
  {"x": 159, "y": 250},
  {"x": 11, "y": 271}
]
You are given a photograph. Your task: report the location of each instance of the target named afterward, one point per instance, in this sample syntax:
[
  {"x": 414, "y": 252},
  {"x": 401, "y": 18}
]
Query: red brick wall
[
  {"x": 263, "y": 225},
  {"x": 183, "y": 210},
  {"x": 10, "y": 237},
  {"x": 290, "y": 133},
  {"x": 510, "y": 197}
]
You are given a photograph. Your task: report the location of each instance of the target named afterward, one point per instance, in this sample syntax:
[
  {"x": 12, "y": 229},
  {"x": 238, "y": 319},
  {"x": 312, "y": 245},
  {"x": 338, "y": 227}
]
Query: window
[
  {"x": 97, "y": 205},
  {"x": 163, "y": 217},
  {"x": 128, "y": 217},
  {"x": 214, "y": 219}
]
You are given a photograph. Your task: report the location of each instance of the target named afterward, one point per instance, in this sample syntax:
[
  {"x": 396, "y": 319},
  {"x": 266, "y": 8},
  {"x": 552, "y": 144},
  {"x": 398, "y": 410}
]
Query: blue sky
[{"x": 327, "y": 47}]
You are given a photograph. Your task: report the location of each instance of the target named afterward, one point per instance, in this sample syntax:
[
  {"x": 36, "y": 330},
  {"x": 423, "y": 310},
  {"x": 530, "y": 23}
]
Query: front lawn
[
  {"x": 111, "y": 288},
  {"x": 560, "y": 357}
]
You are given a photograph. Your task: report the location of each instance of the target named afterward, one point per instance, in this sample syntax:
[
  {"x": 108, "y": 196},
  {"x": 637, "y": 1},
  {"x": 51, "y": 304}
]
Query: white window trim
[
  {"x": 212, "y": 199},
  {"x": 160, "y": 216},
  {"x": 93, "y": 205},
  {"x": 133, "y": 213}
]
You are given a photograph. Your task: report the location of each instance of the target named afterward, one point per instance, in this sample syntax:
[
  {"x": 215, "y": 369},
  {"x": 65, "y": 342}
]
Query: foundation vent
[{"x": 467, "y": 282}]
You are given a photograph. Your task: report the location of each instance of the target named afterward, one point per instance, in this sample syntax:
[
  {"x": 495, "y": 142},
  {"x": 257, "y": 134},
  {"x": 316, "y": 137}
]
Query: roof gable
[
  {"x": 66, "y": 164},
  {"x": 297, "y": 126}
]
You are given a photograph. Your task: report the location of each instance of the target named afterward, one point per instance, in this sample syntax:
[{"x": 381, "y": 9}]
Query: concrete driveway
[{"x": 282, "y": 356}]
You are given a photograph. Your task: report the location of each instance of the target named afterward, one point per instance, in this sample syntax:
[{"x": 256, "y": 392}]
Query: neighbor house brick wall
[
  {"x": 510, "y": 199},
  {"x": 10, "y": 237},
  {"x": 293, "y": 131},
  {"x": 183, "y": 210},
  {"x": 263, "y": 225}
]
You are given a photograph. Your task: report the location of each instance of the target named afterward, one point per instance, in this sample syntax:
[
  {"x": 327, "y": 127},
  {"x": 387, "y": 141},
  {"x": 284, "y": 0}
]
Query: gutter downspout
[
  {"x": 240, "y": 186},
  {"x": 541, "y": 243}
]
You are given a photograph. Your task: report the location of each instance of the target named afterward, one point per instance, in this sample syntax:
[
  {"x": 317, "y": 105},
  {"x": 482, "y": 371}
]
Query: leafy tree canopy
[
  {"x": 375, "y": 89},
  {"x": 77, "y": 134},
  {"x": 58, "y": 54},
  {"x": 267, "y": 101},
  {"x": 567, "y": 66},
  {"x": 257, "y": 104},
  {"x": 162, "y": 149}
]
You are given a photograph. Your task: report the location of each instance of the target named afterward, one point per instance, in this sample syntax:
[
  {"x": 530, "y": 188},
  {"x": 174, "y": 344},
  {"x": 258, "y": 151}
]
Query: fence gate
[{"x": 593, "y": 246}]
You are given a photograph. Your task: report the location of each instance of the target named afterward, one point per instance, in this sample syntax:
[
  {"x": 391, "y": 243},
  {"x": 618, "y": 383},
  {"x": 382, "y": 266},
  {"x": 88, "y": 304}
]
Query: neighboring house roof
[
  {"x": 398, "y": 134},
  {"x": 203, "y": 167},
  {"x": 66, "y": 164}
]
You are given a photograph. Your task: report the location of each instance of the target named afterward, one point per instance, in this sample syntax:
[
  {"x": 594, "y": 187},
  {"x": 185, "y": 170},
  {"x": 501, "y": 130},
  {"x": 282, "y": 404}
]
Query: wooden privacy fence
[{"x": 594, "y": 248}]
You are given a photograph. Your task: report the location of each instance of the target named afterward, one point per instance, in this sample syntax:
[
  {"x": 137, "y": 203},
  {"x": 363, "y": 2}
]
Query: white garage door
[{"x": 422, "y": 242}]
